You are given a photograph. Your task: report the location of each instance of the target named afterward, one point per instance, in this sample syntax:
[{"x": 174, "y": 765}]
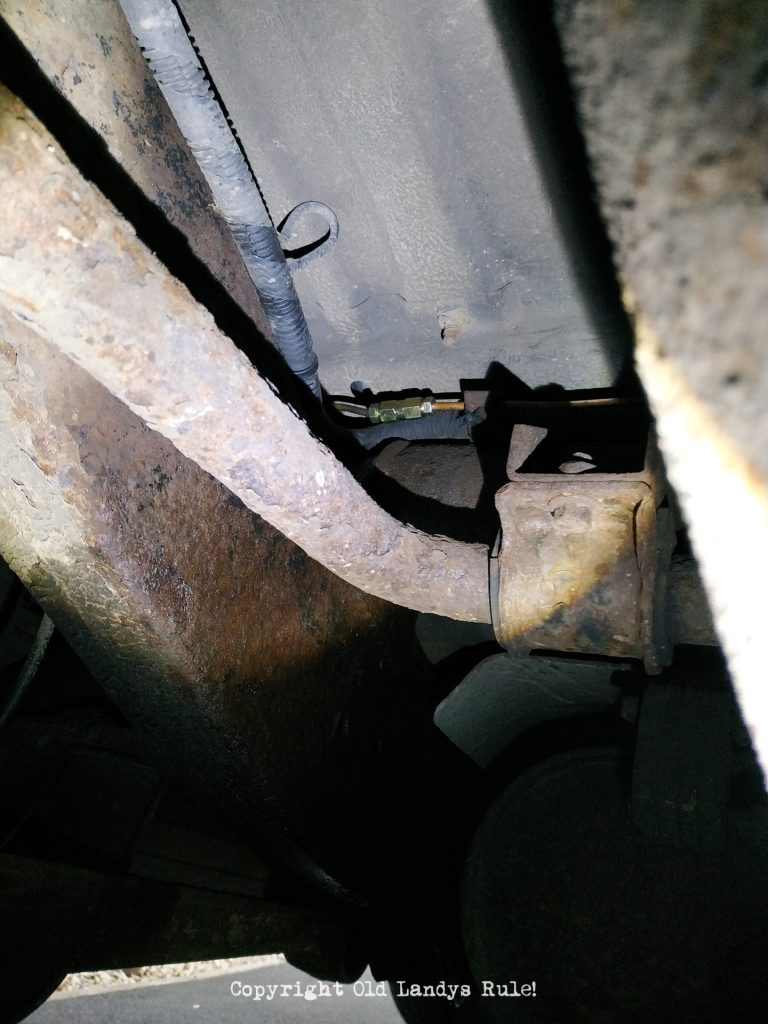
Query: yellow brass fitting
[{"x": 390, "y": 411}]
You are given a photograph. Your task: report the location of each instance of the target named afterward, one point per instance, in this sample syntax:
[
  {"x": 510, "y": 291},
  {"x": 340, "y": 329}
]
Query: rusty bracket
[{"x": 581, "y": 563}]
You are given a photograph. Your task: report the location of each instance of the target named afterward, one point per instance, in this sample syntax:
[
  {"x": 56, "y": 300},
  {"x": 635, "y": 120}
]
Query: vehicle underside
[{"x": 384, "y": 499}]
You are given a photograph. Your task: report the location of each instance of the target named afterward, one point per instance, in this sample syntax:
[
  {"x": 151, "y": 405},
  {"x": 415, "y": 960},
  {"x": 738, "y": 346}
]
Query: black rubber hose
[
  {"x": 440, "y": 426},
  {"x": 174, "y": 63}
]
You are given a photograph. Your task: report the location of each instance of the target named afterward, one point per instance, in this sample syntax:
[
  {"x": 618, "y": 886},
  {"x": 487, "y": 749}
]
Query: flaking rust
[{"x": 579, "y": 557}]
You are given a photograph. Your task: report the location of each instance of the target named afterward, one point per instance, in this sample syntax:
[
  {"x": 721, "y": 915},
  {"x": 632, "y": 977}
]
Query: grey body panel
[{"x": 403, "y": 118}]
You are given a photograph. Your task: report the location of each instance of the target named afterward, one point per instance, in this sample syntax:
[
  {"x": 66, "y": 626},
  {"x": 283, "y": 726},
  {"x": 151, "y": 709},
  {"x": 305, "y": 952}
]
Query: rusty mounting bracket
[{"x": 581, "y": 562}]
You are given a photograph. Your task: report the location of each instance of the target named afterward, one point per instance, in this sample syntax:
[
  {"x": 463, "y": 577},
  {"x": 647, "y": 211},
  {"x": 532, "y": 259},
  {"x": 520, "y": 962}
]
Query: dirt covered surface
[{"x": 97, "y": 982}]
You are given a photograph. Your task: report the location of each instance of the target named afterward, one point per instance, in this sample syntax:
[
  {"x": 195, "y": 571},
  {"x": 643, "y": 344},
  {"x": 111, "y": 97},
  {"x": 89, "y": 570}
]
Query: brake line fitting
[{"x": 392, "y": 410}]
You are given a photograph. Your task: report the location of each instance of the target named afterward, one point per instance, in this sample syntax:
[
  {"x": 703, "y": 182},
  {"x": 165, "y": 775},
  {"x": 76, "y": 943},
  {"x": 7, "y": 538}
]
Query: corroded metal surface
[
  {"x": 442, "y": 487},
  {"x": 75, "y": 272},
  {"x": 262, "y": 678},
  {"x": 674, "y": 109},
  {"x": 690, "y": 617},
  {"x": 449, "y": 473},
  {"x": 89, "y": 55},
  {"x": 578, "y": 558}
]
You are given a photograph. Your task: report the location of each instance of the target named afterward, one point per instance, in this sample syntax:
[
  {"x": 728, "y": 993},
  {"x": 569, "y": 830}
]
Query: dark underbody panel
[{"x": 414, "y": 124}]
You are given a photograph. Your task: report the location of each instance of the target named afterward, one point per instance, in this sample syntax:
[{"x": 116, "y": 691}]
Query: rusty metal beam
[
  {"x": 74, "y": 271},
  {"x": 674, "y": 108},
  {"x": 257, "y": 677}
]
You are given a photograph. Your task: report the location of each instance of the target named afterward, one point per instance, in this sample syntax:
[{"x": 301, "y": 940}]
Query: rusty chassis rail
[{"x": 673, "y": 105}]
